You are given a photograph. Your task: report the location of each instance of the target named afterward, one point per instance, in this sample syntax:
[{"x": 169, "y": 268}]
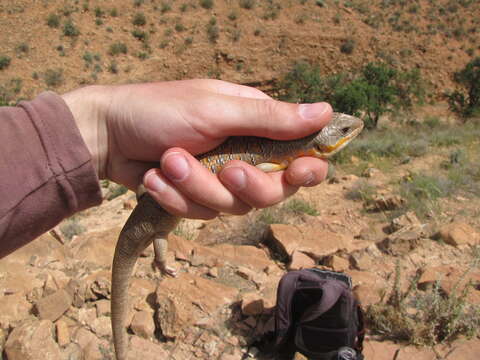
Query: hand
[{"x": 129, "y": 128}]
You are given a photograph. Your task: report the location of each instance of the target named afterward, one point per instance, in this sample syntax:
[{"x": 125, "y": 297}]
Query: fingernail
[
  {"x": 312, "y": 111},
  {"x": 175, "y": 166},
  {"x": 154, "y": 182},
  {"x": 308, "y": 179},
  {"x": 234, "y": 177}
]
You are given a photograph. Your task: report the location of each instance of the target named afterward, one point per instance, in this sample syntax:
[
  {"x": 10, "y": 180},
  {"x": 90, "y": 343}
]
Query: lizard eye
[{"x": 345, "y": 130}]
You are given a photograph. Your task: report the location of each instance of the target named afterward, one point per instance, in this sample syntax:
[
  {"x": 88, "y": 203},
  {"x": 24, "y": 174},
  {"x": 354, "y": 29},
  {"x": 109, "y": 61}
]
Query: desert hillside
[{"x": 399, "y": 211}]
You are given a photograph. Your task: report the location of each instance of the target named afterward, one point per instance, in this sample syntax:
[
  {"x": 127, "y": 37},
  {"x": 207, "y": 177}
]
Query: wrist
[{"x": 89, "y": 106}]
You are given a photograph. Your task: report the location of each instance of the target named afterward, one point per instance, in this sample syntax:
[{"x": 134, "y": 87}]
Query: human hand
[{"x": 128, "y": 128}]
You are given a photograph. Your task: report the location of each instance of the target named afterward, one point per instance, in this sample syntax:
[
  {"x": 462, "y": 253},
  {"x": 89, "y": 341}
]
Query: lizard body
[{"x": 149, "y": 222}]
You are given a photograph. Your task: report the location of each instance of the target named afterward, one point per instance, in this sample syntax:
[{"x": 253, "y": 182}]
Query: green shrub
[
  {"x": 466, "y": 101},
  {"x": 424, "y": 317},
  {"x": 117, "y": 48},
  {"x": 4, "y": 62},
  {"x": 206, "y": 4},
  {"x": 165, "y": 7},
  {"x": 53, "y": 20},
  {"x": 53, "y": 78},
  {"x": 139, "y": 19},
  {"x": 375, "y": 90},
  {"x": 140, "y": 35},
  {"x": 69, "y": 29},
  {"x": 348, "y": 46},
  {"x": 212, "y": 30},
  {"x": 247, "y": 4}
]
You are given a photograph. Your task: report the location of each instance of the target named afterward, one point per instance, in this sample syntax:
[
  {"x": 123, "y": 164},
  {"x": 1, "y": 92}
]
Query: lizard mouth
[{"x": 325, "y": 151}]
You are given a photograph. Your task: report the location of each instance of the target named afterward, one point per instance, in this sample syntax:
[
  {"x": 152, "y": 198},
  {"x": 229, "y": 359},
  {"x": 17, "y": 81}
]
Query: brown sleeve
[{"x": 46, "y": 172}]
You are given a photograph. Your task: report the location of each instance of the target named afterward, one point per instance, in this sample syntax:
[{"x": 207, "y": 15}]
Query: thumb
[{"x": 270, "y": 118}]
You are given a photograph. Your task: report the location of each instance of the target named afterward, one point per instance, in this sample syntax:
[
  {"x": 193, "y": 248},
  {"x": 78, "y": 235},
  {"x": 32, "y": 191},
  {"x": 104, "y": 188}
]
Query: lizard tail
[{"x": 122, "y": 268}]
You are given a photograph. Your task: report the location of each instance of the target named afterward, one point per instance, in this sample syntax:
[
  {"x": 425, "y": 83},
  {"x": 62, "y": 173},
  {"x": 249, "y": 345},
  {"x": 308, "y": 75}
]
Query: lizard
[{"x": 149, "y": 222}]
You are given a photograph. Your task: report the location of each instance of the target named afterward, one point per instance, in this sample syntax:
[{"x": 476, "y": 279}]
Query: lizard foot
[{"x": 165, "y": 269}]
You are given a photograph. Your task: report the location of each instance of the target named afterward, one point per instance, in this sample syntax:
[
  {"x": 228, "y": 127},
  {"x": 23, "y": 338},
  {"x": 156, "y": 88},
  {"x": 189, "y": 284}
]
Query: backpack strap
[{"x": 283, "y": 314}]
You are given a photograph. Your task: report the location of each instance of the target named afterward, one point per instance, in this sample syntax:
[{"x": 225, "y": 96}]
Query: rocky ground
[{"x": 56, "y": 291}]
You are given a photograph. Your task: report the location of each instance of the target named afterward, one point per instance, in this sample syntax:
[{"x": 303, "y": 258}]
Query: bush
[
  {"x": 247, "y": 4},
  {"x": 139, "y": 19},
  {"x": 4, "y": 62},
  {"x": 348, "y": 46},
  {"x": 117, "y": 48},
  {"x": 69, "y": 29},
  {"x": 53, "y": 20},
  {"x": 375, "y": 90},
  {"x": 53, "y": 78},
  {"x": 206, "y": 4},
  {"x": 466, "y": 102}
]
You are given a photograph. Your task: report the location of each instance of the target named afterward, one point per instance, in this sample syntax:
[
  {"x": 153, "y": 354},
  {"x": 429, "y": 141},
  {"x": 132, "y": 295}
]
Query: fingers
[
  {"x": 260, "y": 190},
  {"x": 186, "y": 188}
]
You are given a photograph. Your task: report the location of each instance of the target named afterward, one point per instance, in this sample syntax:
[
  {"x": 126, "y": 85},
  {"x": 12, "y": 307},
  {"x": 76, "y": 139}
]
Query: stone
[
  {"x": 63, "y": 334},
  {"x": 143, "y": 325},
  {"x": 458, "y": 234},
  {"x": 337, "y": 263},
  {"x": 145, "y": 350},
  {"x": 53, "y": 306},
  {"x": 375, "y": 350},
  {"x": 103, "y": 307},
  {"x": 299, "y": 261},
  {"x": 465, "y": 350},
  {"x": 101, "y": 326},
  {"x": 245, "y": 273},
  {"x": 72, "y": 352},
  {"x": 182, "y": 301},
  {"x": 313, "y": 240},
  {"x": 405, "y": 220},
  {"x": 402, "y": 241},
  {"x": 32, "y": 338},
  {"x": 213, "y": 272},
  {"x": 14, "y": 308},
  {"x": 364, "y": 294},
  {"x": 452, "y": 278},
  {"x": 252, "y": 304},
  {"x": 386, "y": 202}
]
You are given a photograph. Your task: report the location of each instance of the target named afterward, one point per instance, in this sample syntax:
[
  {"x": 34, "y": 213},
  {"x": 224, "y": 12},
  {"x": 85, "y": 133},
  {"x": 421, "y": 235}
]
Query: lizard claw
[{"x": 165, "y": 269}]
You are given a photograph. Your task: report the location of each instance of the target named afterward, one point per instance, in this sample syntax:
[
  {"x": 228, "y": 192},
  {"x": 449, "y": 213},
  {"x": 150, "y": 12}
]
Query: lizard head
[{"x": 336, "y": 135}]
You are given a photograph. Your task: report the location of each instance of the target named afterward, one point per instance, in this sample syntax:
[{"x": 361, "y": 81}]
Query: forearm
[{"x": 47, "y": 171}]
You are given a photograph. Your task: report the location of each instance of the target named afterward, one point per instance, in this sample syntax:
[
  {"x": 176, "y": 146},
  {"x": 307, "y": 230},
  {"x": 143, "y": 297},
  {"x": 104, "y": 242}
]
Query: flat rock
[
  {"x": 14, "y": 308},
  {"x": 143, "y": 325},
  {"x": 53, "y": 306},
  {"x": 299, "y": 261},
  {"x": 252, "y": 304},
  {"x": 312, "y": 240},
  {"x": 145, "y": 350},
  {"x": 63, "y": 333},
  {"x": 32, "y": 338},
  {"x": 450, "y": 278},
  {"x": 402, "y": 241},
  {"x": 96, "y": 247},
  {"x": 458, "y": 234},
  {"x": 337, "y": 263},
  {"x": 186, "y": 299}
]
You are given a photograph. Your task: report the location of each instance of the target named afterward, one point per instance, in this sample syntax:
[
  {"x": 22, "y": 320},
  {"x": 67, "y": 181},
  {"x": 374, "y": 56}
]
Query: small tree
[{"x": 467, "y": 101}]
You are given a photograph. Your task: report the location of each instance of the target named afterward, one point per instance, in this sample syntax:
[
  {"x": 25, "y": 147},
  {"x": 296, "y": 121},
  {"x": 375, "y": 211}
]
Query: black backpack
[{"x": 318, "y": 316}]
